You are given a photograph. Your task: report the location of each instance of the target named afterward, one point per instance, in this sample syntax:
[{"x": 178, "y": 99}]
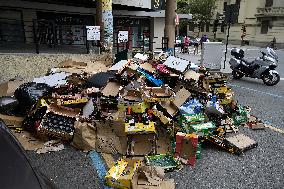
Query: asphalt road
[{"x": 261, "y": 167}]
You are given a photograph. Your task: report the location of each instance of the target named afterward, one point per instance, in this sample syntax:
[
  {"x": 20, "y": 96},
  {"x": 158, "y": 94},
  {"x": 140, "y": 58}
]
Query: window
[
  {"x": 268, "y": 3},
  {"x": 264, "y": 26}
]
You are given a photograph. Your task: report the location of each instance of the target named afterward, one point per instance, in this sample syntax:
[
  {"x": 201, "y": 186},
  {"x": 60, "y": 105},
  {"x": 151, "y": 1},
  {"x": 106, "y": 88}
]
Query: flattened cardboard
[
  {"x": 12, "y": 120},
  {"x": 107, "y": 141},
  {"x": 181, "y": 96},
  {"x": 84, "y": 136},
  {"x": 28, "y": 141},
  {"x": 241, "y": 141},
  {"x": 70, "y": 63},
  {"x": 8, "y": 88},
  {"x": 111, "y": 89},
  {"x": 190, "y": 74},
  {"x": 148, "y": 67}
]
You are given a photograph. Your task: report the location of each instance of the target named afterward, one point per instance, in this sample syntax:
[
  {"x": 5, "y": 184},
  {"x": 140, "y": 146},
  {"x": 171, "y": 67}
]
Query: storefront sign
[
  {"x": 93, "y": 33},
  {"x": 122, "y": 36},
  {"x": 158, "y": 4}
]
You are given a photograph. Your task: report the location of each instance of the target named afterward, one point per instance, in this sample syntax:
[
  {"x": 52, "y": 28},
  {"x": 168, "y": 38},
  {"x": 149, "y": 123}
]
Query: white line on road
[
  {"x": 282, "y": 79},
  {"x": 270, "y": 94}
]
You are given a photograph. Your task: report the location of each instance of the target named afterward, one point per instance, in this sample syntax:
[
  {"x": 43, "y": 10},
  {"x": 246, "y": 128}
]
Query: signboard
[
  {"x": 93, "y": 33},
  {"x": 122, "y": 36}
]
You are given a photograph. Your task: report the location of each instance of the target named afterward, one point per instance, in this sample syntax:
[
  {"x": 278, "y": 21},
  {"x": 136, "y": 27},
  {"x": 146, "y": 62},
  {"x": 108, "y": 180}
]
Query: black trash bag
[
  {"x": 29, "y": 93},
  {"x": 16, "y": 169},
  {"x": 8, "y": 105},
  {"x": 100, "y": 79}
]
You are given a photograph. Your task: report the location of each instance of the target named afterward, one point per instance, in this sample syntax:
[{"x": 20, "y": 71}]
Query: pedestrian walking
[{"x": 203, "y": 39}]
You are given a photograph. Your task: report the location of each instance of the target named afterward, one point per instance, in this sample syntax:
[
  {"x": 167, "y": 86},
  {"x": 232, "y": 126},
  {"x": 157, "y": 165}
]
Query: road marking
[
  {"x": 270, "y": 94},
  {"x": 100, "y": 167},
  {"x": 274, "y": 129},
  {"x": 281, "y": 78}
]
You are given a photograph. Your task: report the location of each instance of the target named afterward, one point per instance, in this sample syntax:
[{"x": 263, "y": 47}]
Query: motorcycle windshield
[{"x": 272, "y": 53}]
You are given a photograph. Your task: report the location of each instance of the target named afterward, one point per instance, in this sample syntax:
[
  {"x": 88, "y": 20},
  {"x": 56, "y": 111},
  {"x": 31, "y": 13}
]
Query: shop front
[{"x": 138, "y": 33}]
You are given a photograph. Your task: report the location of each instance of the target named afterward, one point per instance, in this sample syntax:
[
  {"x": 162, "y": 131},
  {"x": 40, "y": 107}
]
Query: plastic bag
[{"x": 29, "y": 93}]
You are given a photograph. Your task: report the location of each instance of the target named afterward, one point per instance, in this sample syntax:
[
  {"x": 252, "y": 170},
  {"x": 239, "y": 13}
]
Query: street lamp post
[{"x": 229, "y": 20}]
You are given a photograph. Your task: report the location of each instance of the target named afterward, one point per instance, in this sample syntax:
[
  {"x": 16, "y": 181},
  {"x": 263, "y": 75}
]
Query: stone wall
[{"x": 28, "y": 66}]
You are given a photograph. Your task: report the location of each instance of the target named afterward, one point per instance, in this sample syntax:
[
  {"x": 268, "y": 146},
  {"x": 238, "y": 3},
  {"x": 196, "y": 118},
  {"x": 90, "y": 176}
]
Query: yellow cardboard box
[{"x": 121, "y": 174}]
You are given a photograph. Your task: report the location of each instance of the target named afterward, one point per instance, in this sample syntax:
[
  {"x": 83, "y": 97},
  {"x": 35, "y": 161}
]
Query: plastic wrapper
[{"x": 193, "y": 106}]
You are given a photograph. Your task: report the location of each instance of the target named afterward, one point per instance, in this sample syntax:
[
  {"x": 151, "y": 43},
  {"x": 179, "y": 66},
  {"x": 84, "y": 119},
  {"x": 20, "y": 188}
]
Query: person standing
[
  {"x": 203, "y": 39},
  {"x": 186, "y": 44},
  {"x": 196, "y": 46}
]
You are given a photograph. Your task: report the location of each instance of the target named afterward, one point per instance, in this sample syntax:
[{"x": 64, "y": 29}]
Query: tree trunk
[
  {"x": 99, "y": 21},
  {"x": 170, "y": 22}
]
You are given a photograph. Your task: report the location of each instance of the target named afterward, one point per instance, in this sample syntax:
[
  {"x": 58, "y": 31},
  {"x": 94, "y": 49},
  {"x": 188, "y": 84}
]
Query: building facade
[
  {"x": 63, "y": 22},
  {"x": 263, "y": 20}
]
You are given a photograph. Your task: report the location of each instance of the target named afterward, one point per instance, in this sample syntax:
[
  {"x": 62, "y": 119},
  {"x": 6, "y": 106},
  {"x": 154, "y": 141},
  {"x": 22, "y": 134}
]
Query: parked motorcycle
[{"x": 261, "y": 68}]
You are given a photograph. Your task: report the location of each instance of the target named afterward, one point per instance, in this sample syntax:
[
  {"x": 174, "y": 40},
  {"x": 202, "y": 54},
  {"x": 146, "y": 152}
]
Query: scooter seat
[{"x": 247, "y": 62}]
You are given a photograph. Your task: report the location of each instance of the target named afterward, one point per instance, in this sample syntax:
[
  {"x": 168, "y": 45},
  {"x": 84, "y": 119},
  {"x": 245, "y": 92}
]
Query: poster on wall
[
  {"x": 93, "y": 33},
  {"x": 122, "y": 36}
]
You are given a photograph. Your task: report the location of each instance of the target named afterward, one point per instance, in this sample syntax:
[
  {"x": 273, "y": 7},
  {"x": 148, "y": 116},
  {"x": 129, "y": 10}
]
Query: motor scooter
[{"x": 261, "y": 68}]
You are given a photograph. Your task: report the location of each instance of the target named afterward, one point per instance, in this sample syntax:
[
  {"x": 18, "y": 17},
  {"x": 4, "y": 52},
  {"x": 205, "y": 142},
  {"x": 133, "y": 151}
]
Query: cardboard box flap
[
  {"x": 119, "y": 66},
  {"x": 241, "y": 141},
  {"x": 8, "y": 88},
  {"x": 177, "y": 64},
  {"x": 148, "y": 67},
  {"x": 190, "y": 74},
  {"x": 181, "y": 96},
  {"x": 151, "y": 175},
  {"x": 111, "y": 89}
]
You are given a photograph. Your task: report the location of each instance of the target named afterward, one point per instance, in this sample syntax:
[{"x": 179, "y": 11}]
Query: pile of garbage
[{"x": 156, "y": 113}]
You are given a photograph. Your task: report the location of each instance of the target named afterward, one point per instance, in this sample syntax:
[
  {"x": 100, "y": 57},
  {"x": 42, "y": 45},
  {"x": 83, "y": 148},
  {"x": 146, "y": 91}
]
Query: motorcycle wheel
[
  {"x": 237, "y": 75},
  {"x": 271, "y": 78}
]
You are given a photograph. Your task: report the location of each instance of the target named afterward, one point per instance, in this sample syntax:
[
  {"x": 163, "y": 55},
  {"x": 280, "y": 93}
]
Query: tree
[{"x": 201, "y": 10}]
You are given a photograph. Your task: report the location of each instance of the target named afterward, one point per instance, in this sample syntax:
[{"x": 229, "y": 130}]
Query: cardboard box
[
  {"x": 111, "y": 89},
  {"x": 181, "y": 96},
  {"x": 141, "y": 144},
  {"x": 140, "y": 128},
  {"x": 150, "y": 177},
  {"x": 241, "y": 143},
  {"x": 166, "y": 161},
  {"x": 157, "y": 94},
  {"x": 186, "y": 148},
  {"x": 12, "y": 120},
  {"x": 122, "y": 173}
]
